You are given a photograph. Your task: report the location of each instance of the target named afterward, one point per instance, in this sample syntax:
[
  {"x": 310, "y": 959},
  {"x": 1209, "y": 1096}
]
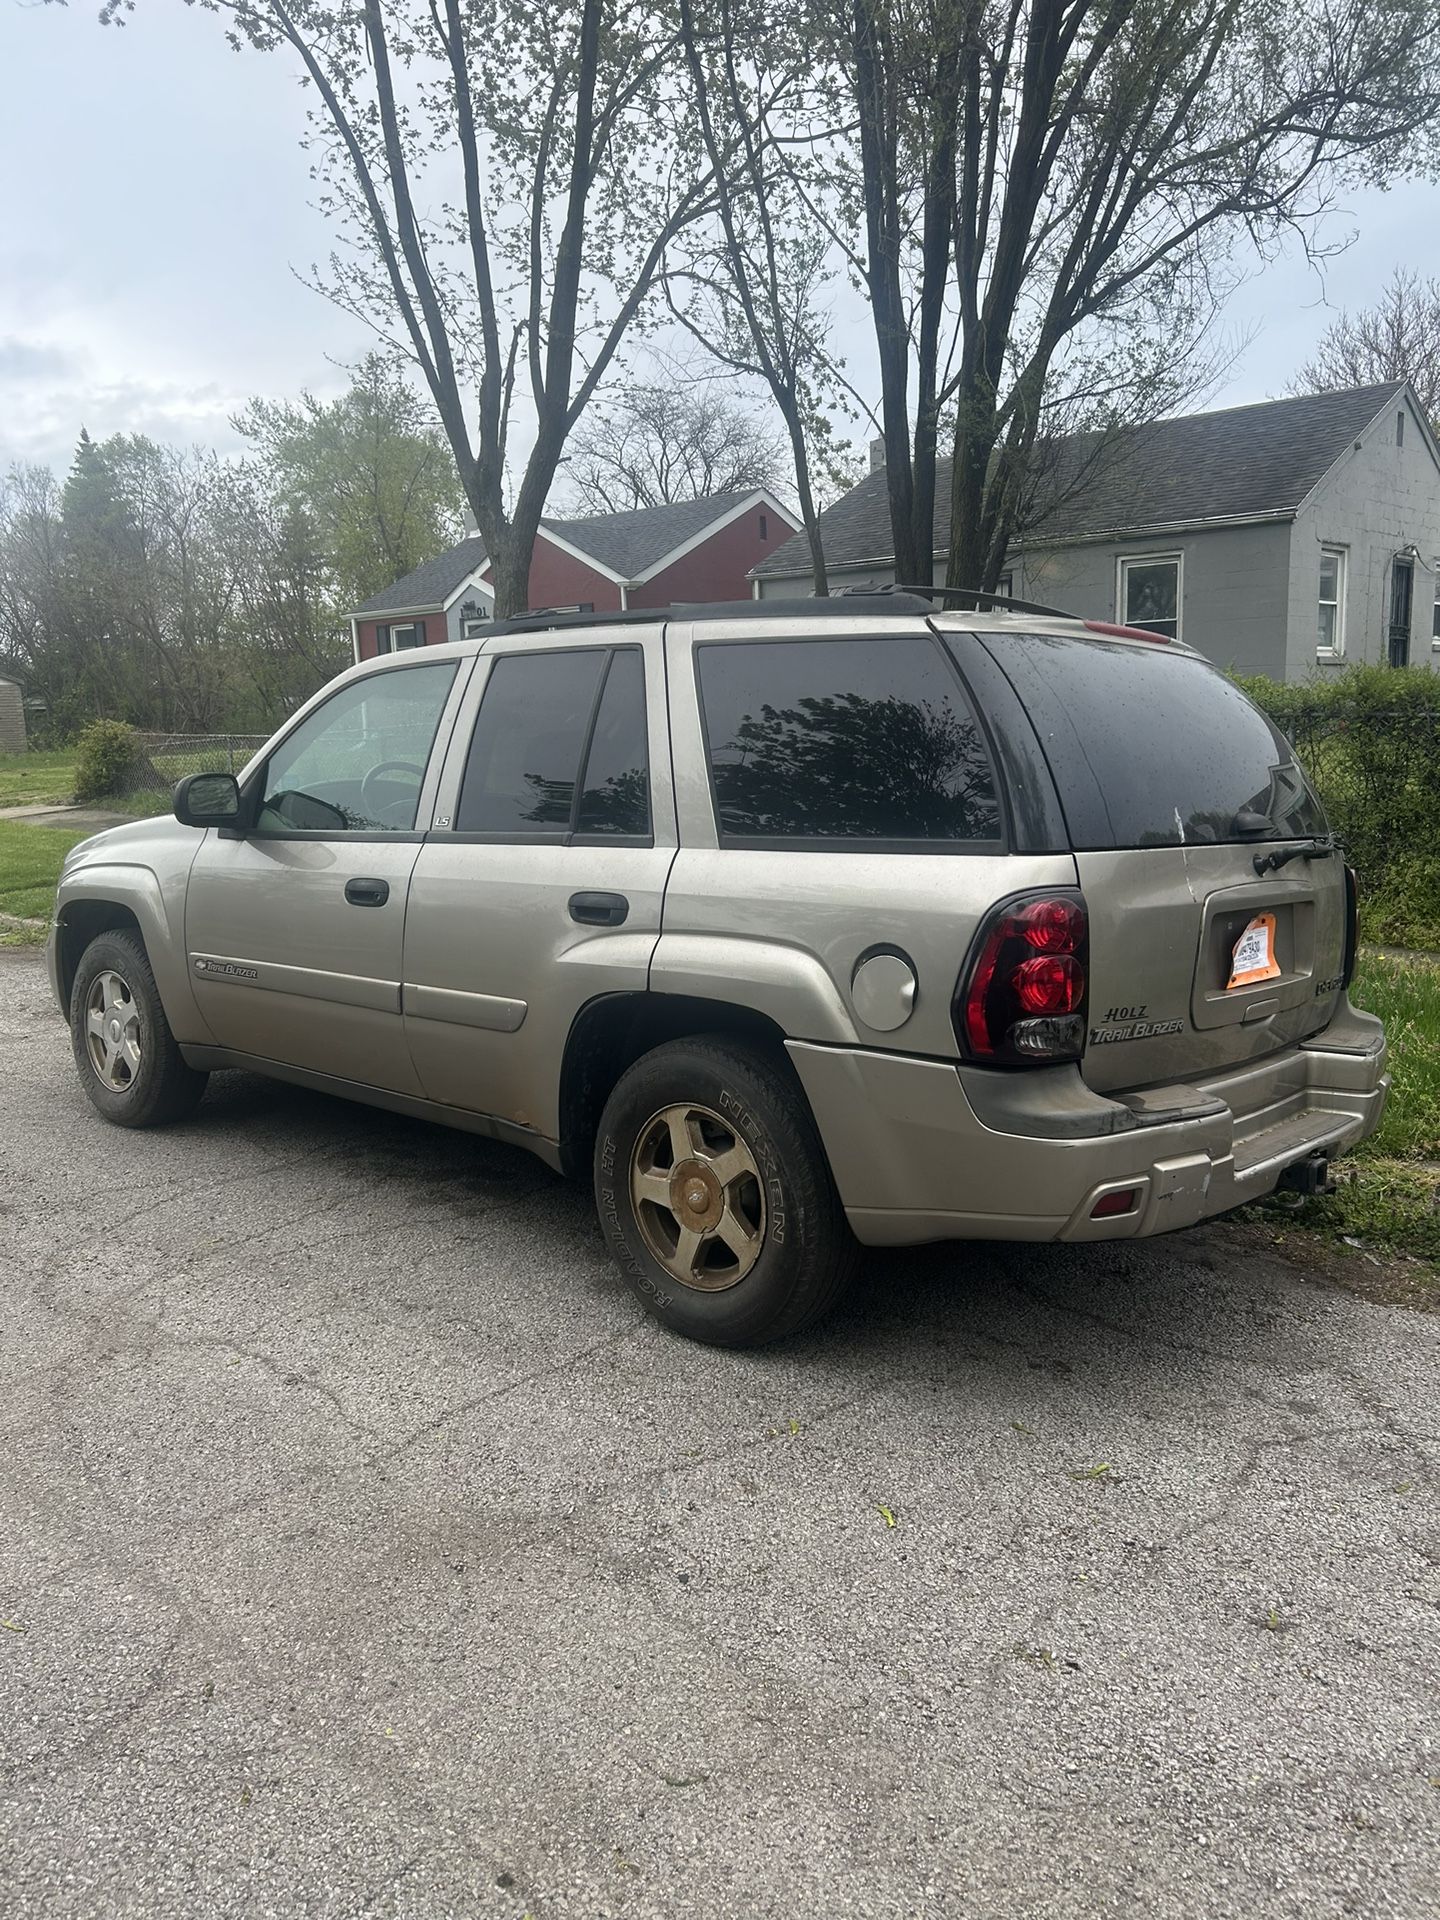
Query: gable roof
[
  {"x": 629, "y": 544},
  {"x": 1239, "y": 463},
  {"x": 432, "y": 583}
]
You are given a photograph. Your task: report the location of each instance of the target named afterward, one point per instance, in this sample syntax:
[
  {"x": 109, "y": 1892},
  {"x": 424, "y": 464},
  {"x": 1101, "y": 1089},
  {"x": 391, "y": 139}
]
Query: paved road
[{"x": 373, "y": 1556}]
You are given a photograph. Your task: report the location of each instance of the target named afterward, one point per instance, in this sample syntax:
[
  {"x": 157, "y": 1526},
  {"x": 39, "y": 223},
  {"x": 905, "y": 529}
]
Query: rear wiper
[{"x": 1316, "y": 849}]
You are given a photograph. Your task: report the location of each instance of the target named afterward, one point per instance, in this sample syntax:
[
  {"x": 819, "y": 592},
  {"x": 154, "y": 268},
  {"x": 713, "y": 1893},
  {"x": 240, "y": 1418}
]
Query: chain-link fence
[{"x": 165, "y": 758}]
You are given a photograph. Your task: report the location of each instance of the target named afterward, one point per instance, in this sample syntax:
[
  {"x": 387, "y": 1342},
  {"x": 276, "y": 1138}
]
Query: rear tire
[
  {"x": 715, "y": 1195},
  {"x": 126, "y": 1056}
]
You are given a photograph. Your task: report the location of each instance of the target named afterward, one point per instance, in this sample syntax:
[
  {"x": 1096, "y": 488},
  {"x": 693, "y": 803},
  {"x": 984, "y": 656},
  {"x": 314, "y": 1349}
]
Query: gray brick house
[{"x": 1284, "y": 538}]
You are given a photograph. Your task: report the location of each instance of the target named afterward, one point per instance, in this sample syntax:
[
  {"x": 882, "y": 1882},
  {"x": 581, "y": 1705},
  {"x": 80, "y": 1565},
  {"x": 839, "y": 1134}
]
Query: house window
[
  {"x": 1149, "y": 593},
  {"x": 1331, "y": 633},
  {"x": 473, "y": 618},
  {"x": 411, "y": 634},
  {"x": 764, "y": 528},
  {"x": 1399, "y": 429},
  {"x": 1006, "y": 586}
]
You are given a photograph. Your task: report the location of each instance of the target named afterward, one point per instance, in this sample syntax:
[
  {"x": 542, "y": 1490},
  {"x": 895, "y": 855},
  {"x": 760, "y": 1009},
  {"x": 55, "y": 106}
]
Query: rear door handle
[
  {"x": 367, "y": 893},
  {"x": 599, "y": 909}
]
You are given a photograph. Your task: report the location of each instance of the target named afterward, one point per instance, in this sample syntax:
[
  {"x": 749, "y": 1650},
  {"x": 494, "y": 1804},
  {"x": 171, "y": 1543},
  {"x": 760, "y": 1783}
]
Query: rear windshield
[{"x": 1151, "y": 748}]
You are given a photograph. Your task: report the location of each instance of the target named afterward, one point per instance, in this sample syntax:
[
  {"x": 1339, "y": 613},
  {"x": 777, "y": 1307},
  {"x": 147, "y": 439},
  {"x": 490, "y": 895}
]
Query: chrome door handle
[{"x": 367, "y": 893}]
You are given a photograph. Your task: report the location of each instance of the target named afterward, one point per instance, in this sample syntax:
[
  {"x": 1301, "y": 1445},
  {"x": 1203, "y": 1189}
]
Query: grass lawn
[
  {"x": 1389, "y": 1194},
  {"x": 32, "y": 779},
  {"x": 30, "y": 861}
]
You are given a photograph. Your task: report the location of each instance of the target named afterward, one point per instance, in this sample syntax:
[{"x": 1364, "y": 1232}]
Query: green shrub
[
  {"x": 109, "y": 755},
  {"x": 1370, "y": 740}
]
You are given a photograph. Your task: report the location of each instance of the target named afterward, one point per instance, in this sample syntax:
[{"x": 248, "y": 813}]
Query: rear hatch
[{"x": 1177, "y": 792}]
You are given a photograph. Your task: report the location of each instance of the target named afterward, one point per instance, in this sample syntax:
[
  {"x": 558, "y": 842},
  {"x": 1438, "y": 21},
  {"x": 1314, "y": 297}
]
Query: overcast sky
[{"x": 156, "y": 207}]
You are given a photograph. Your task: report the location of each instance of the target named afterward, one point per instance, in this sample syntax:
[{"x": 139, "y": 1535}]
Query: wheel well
[
  {"x": 80, "y": 923},
  {"x": 612, "y": 1032}
]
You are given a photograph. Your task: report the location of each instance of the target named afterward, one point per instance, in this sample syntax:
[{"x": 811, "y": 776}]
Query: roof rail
[
  {"x": 1002, "y": 600},
  {"x": 838, "y": 606}
]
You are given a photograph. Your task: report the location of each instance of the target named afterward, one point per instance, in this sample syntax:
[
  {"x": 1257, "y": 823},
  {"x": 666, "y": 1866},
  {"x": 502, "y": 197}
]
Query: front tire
[
  {"x": 715, "y": 1195},
  {"x": 126, "y": 1056}
]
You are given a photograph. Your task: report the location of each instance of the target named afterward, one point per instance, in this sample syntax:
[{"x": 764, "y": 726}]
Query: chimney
[{"x": 877, "y": 456}]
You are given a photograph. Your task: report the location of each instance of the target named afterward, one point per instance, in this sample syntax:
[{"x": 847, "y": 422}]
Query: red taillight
[
  {"x": 1022, "y": 997},
  {"x": 1054, "y": 984},
  {"x": 1054, "y": 926}
]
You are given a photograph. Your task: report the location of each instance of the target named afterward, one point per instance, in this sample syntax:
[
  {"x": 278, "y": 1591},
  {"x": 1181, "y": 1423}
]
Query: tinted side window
[
  {"x": 357, "y": 763},
  {"x": 525, "y": 753},
  {"x": 1153, "y": 748},
  {"x": 844, "y": 740},
  {"x": 615, "y": 794}
]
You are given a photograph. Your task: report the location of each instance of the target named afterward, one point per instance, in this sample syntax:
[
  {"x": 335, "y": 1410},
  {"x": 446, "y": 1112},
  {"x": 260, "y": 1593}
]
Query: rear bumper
[{"x": 922, "y": 1150}]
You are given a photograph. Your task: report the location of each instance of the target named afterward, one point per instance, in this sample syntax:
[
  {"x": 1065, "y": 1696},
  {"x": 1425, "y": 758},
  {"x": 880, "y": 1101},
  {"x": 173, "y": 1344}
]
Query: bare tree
[
  {"x": 1396, "y": 339},
  {"x": 677, "y": 440},
  {"x": 506, "y": 178},
  {"x": 1033, "y": 172}
]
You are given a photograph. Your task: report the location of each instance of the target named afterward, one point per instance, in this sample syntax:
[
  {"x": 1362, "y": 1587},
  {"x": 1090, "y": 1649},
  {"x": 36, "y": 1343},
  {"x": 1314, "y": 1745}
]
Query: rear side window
[
  {"x": 835, "y": 742},
  {"x": 559, "y": 747},
  {"x": 615, "y": 794},
  {"x": 1152, "y": 748}
]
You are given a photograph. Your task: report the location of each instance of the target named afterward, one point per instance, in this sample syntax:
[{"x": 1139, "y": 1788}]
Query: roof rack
[{"x": 1003, "y": 600}]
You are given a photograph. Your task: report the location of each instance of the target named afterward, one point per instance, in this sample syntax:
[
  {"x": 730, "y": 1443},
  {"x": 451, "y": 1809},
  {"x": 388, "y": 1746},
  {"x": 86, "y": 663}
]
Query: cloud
[
  {"x": 48, "y": 392},
  {"x": 24, "y": 361}
]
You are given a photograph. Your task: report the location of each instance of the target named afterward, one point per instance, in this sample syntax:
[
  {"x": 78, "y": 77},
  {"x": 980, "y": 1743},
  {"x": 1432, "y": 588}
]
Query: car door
[
  {"x": 541, "y": 885},
  {"x": 294, "y": 927}
]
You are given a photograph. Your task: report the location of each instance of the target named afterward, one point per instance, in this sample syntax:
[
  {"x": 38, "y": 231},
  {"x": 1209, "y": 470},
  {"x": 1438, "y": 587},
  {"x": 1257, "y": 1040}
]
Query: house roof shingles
[
  {"x": 1236, "y": 464},
  {"x": 627, "y": 544},
  {"x": 431, "y": 584},
  {"x": 630, "y": 543}
]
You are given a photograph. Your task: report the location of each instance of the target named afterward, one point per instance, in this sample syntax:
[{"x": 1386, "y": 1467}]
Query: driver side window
[{"x": 357, "y": 764}]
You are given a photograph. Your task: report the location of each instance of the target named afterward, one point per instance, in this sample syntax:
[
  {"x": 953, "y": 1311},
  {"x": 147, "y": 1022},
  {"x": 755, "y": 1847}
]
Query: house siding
[
  {"x": 1234, "y": 588},
  {"x": 558, "y": 579},
  {"x": 1376, "y": 500},
  {"x": 718, "y": 568},
  {"x": 1234, "y": 602}
]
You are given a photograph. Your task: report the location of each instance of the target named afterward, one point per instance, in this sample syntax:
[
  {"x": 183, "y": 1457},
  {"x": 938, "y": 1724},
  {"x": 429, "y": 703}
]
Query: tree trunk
[
  {"x": 510, "y": 568},
  {"x": 809, "y": 519},
  {"x": 973, "y": 563}
]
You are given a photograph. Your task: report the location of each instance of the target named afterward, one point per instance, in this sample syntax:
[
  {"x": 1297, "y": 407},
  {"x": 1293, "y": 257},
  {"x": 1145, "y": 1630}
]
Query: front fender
[{"x": 159, "y": 912}]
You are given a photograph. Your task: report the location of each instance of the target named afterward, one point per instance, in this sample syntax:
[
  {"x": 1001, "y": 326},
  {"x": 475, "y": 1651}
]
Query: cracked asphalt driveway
[{"x": 364, "y": 1552}]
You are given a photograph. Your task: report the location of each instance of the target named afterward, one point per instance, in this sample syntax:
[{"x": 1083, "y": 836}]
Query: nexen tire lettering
[{"x": 760, "y": 1144}]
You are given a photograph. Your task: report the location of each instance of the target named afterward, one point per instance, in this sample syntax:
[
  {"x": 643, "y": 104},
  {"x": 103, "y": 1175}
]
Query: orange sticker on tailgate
[{"x": 1253, "y": 955}]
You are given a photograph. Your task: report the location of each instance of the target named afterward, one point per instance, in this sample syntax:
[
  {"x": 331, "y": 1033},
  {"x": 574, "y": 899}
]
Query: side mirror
[{"x": 208, "y": 800}]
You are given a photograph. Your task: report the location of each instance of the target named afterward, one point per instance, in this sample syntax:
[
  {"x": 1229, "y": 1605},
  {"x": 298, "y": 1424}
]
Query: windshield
[{"x": 1152, "y": 748}]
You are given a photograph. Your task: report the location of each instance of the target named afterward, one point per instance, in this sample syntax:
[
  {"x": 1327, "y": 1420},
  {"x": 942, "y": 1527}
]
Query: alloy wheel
[
  {"x": 698, "y": 1197},
  {"x": 112, "y": 1031}
]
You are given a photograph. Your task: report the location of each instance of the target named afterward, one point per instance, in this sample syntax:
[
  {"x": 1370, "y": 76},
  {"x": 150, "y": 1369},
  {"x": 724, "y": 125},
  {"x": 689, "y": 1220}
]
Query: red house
[{"x": 683, "y": 552}]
